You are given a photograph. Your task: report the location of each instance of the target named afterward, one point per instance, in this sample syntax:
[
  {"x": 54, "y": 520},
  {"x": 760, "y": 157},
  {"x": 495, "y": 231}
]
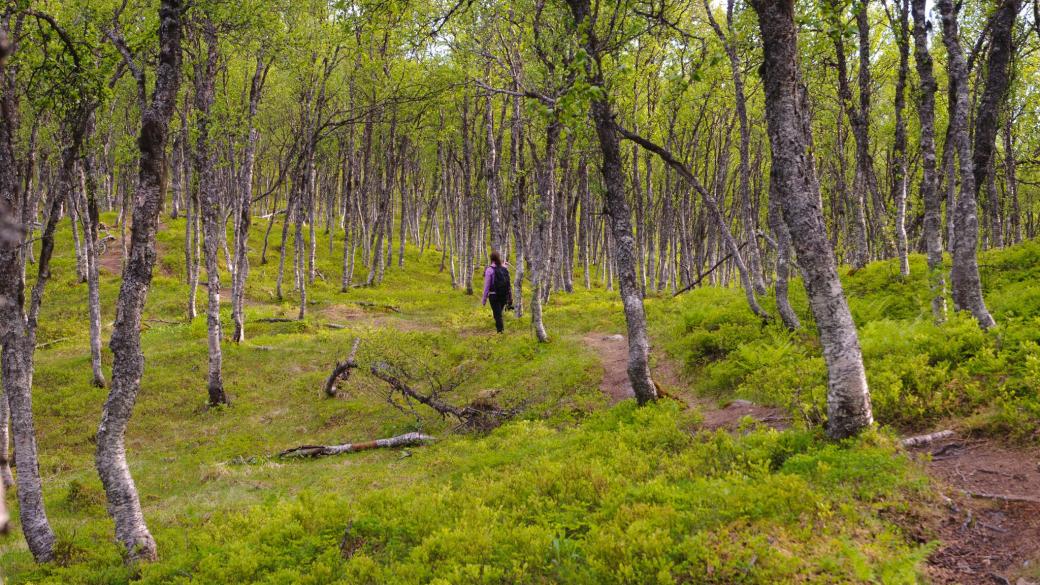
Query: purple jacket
[{"x": 489, "y": 279}]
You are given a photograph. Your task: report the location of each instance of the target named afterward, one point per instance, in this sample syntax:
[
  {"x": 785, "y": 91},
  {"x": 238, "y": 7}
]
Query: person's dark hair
[{"x": 496, "y": 259}]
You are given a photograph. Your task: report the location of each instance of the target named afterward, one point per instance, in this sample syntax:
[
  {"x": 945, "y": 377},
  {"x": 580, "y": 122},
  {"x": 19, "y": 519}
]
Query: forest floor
[
  {"x": 989, "y": 527},
  {"x": 728, "y": 480}
]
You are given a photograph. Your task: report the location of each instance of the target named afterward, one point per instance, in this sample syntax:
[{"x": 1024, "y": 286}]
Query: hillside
[{"x": 574, "y": 490}]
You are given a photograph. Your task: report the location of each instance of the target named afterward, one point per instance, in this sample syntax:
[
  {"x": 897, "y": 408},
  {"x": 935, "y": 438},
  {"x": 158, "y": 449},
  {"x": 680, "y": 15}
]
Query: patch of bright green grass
[
  {"x": 919, "y": 372},
  {"x": 569, "y": 492}
]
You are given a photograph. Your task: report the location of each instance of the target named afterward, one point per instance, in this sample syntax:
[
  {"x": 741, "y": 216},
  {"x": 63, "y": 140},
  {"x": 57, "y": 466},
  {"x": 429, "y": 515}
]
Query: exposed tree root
[{"x": 1003, "y": 497}]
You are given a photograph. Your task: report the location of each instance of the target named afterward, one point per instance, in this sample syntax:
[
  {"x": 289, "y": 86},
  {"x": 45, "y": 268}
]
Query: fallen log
[
  {"x": 405, "y": 440},
  {"x": 342, "y": 370},
  {"x": 276, "y": 320},
  {"x": 925, "y": 439},
  {"x": 52, "y": 342}
]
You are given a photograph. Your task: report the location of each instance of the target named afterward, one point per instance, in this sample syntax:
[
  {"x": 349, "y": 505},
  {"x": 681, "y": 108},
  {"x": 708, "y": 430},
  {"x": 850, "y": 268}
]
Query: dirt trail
[
  {"x": 989, "y": 530},
  {"x": 376, "y": 317},
  {"x": 111, "y": 258},
  {"x": 613, "y": 353}
]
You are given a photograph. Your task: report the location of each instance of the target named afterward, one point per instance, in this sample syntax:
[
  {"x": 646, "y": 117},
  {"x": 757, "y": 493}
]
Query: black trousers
[{"x": 497, "y": 305}]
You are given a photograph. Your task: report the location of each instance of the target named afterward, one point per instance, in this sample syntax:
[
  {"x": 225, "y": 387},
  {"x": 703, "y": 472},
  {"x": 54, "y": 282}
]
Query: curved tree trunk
[
  {"x": 754, "y": 263},
  {"x": 19, "y": 345},
  {"x": 619, "y": 216},
  {"x": 848, "y": 398},
  {"x": 987, "y": 116},
  {"x": 124, "y": 505}
]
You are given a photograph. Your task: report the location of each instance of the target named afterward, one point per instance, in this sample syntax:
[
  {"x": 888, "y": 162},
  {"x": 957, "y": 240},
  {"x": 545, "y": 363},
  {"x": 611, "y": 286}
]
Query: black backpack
[{"x": 500, "y": 282}]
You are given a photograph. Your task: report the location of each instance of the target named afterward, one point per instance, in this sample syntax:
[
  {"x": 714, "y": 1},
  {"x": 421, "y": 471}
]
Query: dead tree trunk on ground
[{"x": 405, "y": 440}]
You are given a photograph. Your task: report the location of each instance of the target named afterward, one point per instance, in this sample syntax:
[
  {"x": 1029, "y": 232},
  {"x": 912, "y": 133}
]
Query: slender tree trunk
[
  {"x": 860, "y": 251},
  {"x": 966, "y": 285},
  {"x": 467, "y": 195},
  {"x": 987, "y": 116},
  {"x": 929, "y": 181},
  {"x": 238, "y": 287},
  {"x": 491, "y": 170},
  {"x": 210, "y": 207},
  {"x": 76, "y": 221},
  {"x": 124, "y": 505},
  {"x": 619, "y": 216},
  {"x": 348, "y": 214},
  {"x": 584, "y": 238},
  {"x": 89, "y": 183},
  {"x": 519, "y": 203},
  {"x": 899, "y": 178},
  {"x": 291, "y": 211},
  {"x": 848, "y": 398},
  {"x": 1010, "y": 177},
  {"x": 783, "y": 260},
  {"x": 540, "y": 276},
  {"x": 6, "y": 478},
  {"x": 270, "y": 225}
]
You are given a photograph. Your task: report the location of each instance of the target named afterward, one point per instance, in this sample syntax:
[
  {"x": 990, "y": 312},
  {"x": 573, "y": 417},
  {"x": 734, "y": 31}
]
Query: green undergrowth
[
  {"x": 628, "y": 496},
  {"x": 571, "y": 491},
  {"x": 920, "y": 373}
]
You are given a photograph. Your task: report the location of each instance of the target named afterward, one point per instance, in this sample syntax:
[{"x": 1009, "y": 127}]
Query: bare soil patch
[
  {"x": 352, "y": 313},
  {"x": 989, "y": 528},
  {"x": 613, "y": 353},
  {"x": 111, "y": 257},
  {"x": 731, "y": 416}
]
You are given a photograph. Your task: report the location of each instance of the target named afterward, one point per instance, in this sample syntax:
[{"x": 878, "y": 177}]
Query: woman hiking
[{"x": 497, "y": 289}]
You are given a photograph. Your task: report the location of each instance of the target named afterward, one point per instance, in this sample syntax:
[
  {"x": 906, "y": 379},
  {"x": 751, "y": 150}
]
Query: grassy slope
[{"x": 571, "y": 493}]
